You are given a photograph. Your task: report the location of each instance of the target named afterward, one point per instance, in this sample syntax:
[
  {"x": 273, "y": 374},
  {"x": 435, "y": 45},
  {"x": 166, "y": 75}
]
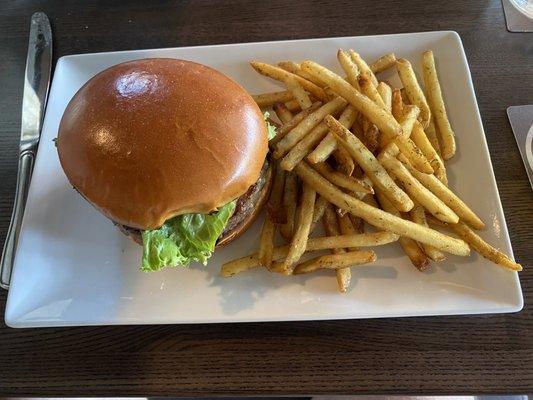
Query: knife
[{"x": 36, "y": 84}]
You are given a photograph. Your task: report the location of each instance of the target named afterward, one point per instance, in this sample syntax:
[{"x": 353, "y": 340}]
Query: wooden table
[{"x": 441, "y": 355}]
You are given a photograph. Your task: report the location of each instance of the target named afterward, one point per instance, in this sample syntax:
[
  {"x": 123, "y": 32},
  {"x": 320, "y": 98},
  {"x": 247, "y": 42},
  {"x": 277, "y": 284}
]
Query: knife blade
[{"x": 36, "y": 84}]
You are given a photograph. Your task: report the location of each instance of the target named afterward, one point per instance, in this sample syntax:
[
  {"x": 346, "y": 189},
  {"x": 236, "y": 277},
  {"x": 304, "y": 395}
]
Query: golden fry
[
  {"x": 318, "y": 211},
  {"x": 290, "y": 200},
  {"x": 409, "y": 117},
  {"x": 266, "y": 243},
  {"x": 349, "y": 67},
  {"x": 287, "y": 127},
  {"x": 283, "y": 113},
  {"x": 304, "y": 146},
  {"x": 347, "y": 182},
  {"x": 379, "y": 218},
  {"x": 377, "y": 115},
  {"x": 336, "y": 261},
  {"x": 413, "y": 90},
  {"x": 266, "y": 100},
  {"x": 483, "y": 248},
  {"x": 305, "y": 126},
  {"x": 434, "y": 92},
  {"x": 370, "y": 91},
  {"x": 332, "y": 241},
  {"x": 373, "y": 169},
  {"x": 274, "y": 204},
  {"x": 382, "y": 63},
  {"x": 417, "y": 191},
  {"x": 422, "y": 142},
  {"x": 448, "y": 197},
  {"x": 298, "y": 92},
  {"x": 418, "y": 215},
  {"x": 385, "y": 92},
  {"x": 301, "y": 234},
  {"x": 281, "y": 75},
  {"x": 363, "y": 66}
]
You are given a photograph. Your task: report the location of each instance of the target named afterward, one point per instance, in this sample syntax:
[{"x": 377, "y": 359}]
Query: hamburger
[{"x": 173, "y": 152}]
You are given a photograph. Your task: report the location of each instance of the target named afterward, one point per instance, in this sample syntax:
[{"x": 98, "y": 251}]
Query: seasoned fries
[
  {"x": 374, "y": 170},
  {"x": 447, "y": 136},
  {"x": 389, "y": 143},
  {"x": 336, "y": 261},
  {"x": 301, "y": 234},
  {"x": 290, "y": 199},
  {"x": 363, "y": 66},
  {"x": 269, "y": 99},
  {"x": 281, "y": 75},
  {"x": 377, "y": 115},
  {"x": 382, "y": 63},
  {"x": 305, "y": 126},
  {"x": 380, "y": 218},
  {"x": 413, "y": 90},
  {"x": 298, "y": 92}
]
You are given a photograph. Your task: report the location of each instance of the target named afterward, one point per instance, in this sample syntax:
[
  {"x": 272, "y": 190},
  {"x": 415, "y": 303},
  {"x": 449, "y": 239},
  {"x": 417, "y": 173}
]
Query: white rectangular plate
[{"x": 73, "y": 267}]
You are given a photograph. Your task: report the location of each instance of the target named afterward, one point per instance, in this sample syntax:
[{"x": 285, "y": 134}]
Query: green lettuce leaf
[
  {"x": 271, "y": 128},
  {"x": 184, "y": 239}
]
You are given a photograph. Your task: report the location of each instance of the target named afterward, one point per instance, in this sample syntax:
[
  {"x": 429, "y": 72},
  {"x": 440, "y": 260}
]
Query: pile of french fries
[{"x": 352, "y": 151}]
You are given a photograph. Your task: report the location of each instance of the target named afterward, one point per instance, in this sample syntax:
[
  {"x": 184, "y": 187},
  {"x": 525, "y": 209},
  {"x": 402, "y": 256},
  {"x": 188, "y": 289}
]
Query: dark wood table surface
[{"x": 440, "y": 355}]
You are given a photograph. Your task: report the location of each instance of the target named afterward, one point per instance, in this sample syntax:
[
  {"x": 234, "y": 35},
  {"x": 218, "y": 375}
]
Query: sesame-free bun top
[{"x": 150, "y": 139}]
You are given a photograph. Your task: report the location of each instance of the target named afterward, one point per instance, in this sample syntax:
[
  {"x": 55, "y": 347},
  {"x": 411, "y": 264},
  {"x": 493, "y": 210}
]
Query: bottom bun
[{"x": 247, "y": 209}]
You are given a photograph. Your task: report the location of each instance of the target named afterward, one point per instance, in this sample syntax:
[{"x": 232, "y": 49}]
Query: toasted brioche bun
[{"x": 151, "y": 139}]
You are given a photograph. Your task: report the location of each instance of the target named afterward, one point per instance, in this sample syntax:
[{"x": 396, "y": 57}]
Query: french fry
[
  {"x": 290, "y": 200},
  {"x": 266, "y": 243},
  {"x": 287, "y": 127},
  {"x": 305, "y": 126},
  {"x": 371, "y": 137},
  {"x": 293, "y": 105},
  {"x": 282, "y": 112},
  {"x": 417, "y": 191},
  {"x": 413, "y": 154},
  {"x": 363, "y": 66},
  {"x": 384, "y": 62},
  {"x": 385, "y": 92},
  {"x": 409, "y": 117},
  {"x": 281, "y": 75},
  {"x": 345, "y": 163},
  {"x": 304, "y": 146},
  {"x": 349, "y": 67},
  {"x": 449, "y": 198},
  {"x": 418, "y": 215},
  {"x": 434, "y": 93},
  {"x": 333, "y": 241},
  {"x": 344, "y": 181},
  {"x": 274, "y": 204},
  {"x": 421, "y": 140},
  {"x": 377, "y": 115},
  {"x": 380, "y": 218},
  {"x": 318, "y": 211},
  {"x": 373, "y": 169},
  {"x": 329, "y": 144},
  {"x": 301, "y": 234},
  {"x": 397, "y": 104},
  {"x": 298, "y": 92},
  {"x": 370, "y": 91},
  {"x": 483, "y": 248},
  {"x": 431, "y": 132},
  {"x": 347, "y": 227},
  {"x": 293, "y": 67},
  {"x": 266, "y": 100},
  {"x": 410, "y": 247},
  {"x": 413, "y": 90},
  {"x": 336, "y": 261},
  {"x": 332, "y": 228}
]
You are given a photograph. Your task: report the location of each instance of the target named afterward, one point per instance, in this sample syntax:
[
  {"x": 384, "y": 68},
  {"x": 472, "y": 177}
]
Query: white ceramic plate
[{"x": 73, "y": 267}]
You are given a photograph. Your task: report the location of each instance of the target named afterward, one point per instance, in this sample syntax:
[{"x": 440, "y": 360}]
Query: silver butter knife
[{"x": 36, "y": 84}]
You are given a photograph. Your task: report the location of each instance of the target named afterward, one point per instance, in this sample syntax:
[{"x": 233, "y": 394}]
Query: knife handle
[{"x": 26, "y": 160}]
